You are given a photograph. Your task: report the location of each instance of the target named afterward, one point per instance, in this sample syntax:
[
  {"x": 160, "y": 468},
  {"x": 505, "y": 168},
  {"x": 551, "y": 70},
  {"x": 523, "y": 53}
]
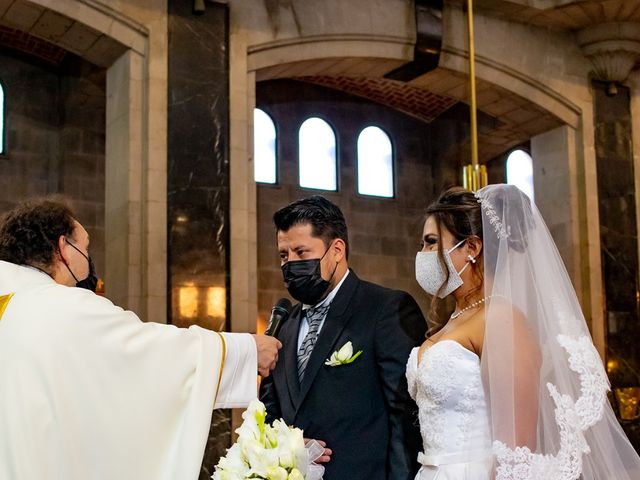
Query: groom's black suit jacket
[{"x": 362, "y": 410}]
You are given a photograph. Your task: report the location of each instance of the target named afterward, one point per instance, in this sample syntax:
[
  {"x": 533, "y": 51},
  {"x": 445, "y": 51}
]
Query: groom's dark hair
[{"x": 326, "y": 219}]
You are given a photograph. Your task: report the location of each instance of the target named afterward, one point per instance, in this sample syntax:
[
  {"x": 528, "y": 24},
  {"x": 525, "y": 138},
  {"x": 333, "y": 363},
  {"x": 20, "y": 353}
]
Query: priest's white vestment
[{"x": 90, "y": 392}]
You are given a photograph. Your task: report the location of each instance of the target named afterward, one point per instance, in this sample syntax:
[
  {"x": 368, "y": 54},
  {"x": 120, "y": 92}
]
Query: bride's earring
[{"x": 471, "y": 259}]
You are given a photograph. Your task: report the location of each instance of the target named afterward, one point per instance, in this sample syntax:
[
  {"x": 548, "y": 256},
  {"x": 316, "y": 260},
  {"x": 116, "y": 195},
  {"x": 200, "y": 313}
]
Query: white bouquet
[{"x": 269, "y": 452}]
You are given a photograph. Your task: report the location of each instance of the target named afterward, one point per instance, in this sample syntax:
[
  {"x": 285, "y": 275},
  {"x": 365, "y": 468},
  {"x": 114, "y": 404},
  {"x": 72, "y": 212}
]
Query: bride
[{"x": 511, "y": 386}]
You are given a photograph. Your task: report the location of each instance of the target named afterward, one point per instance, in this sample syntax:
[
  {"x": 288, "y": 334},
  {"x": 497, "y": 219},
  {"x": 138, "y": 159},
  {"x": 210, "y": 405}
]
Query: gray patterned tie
[{"x": 314, "y": 317}]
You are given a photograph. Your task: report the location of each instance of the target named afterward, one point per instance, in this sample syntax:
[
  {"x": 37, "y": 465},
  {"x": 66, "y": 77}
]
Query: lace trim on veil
[
  {"x": 572, "y": 417},
  {"x": 493, "y": 217}
]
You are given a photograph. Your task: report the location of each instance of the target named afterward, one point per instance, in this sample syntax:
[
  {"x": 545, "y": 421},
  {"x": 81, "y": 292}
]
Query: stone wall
[
  {"x": 82, "y": 147},
  {"x": 32, "y": 130},
  {"x": 384, "y": 234},
  {"x": 55, "y": 120},
  {"x": 547, "y": 68}
]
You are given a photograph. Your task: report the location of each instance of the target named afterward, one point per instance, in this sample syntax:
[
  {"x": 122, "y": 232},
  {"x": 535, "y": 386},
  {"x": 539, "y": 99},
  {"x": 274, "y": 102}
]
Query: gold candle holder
[
  {"x": 628, "y": 399},
  {"x": 474, "y": 177}
]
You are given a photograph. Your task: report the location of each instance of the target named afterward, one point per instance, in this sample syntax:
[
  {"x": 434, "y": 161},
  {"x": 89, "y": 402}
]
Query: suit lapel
[
  {"x": 337, "y": 319},
  {"x": 290, "y": 345}
]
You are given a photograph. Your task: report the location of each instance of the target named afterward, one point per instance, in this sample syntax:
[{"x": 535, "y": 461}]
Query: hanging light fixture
[{"x": 474, "y": 175}]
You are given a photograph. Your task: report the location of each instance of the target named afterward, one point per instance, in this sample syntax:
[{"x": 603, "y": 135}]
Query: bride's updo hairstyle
[{"x": 459, "y": 211}]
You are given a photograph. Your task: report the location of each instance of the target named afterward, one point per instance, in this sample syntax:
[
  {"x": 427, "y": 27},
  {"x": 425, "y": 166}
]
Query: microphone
[{"x": 279, "y": 314}]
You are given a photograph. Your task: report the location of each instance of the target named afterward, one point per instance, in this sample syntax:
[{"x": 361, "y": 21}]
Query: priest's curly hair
[{"x": 29, "y": 233}]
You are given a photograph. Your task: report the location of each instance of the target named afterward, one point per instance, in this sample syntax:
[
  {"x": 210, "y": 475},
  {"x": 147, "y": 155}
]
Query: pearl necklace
[{"x": 469, "y": 307}]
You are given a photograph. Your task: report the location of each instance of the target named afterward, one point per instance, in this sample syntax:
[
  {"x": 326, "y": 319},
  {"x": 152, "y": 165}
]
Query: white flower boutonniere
[{"x": 343, "y": 356}]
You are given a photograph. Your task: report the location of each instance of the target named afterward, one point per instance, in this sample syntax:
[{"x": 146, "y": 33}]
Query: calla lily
[
  {"x": 225, "y": 475},
  {"x": 262, "y": 460},
  {"x": 233, "y": 462},
  {"x": 277, "y": 473},
  {"x": 290, "y": 443},
  {"x": 345, "y": 352},
  {"x": 253, "y": 425},
  {"x": 267, "y": 452},
  {"x": 295, "y": 475},
  {"x": 343, "y": 356}
]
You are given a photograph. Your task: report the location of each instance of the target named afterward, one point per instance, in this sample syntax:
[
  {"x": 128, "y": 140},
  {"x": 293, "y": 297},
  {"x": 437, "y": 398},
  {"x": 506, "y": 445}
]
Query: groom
[{"x": 361, "y": 409}]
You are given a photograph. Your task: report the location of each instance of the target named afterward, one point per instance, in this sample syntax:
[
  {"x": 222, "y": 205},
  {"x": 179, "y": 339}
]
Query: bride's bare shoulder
[
  {"x": 501, "y": 308},
  {"x": 503, "y": 317}
]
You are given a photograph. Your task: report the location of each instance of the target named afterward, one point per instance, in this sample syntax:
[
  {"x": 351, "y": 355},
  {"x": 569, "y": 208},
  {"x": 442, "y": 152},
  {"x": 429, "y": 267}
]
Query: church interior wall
[
  {"x": 55, "y": 116},
  {"x": 550, "y": 70},
  {"x": 547, "y": 69},
  {"x": 384, "y": 234},
  {"x": 551, "y": 58},
  {"x": 267, "y": 23},
  {"x": 272, "y": 39}
]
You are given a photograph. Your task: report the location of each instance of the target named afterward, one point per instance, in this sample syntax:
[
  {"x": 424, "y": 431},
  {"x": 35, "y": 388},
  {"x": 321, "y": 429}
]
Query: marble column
[
  {"x": 619, "y": 243},
  {"x": 198, "y": 181}
]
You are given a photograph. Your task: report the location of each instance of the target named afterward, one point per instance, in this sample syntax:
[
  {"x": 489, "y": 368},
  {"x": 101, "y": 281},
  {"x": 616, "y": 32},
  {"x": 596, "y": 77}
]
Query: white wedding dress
[
  {"x": 454, "y": 418},
  {"x": 541, "y": 380}
]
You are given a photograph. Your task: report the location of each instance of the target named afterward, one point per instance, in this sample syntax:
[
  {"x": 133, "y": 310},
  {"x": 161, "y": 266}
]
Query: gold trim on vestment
[
  {"x": 4, "y": 301},
  {"x": 224, "y": 355}
]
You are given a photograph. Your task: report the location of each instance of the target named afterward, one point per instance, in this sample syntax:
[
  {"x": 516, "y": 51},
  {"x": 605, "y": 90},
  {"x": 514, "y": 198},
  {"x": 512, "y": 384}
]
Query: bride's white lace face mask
[{"x": 430, "y": 274}]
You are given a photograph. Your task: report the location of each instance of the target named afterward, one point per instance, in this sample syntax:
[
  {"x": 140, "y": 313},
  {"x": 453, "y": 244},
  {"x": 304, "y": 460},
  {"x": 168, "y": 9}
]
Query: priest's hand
[{"x": 267, "y": 353}]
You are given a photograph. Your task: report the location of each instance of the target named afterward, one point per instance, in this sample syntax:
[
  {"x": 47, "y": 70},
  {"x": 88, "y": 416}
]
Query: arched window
[
  {"x": 264, "y": 147},
  {"x": 520, "y": 171},
  {"x": 1, "y": 119},
  {"x": 317, "y": 155},
  {"x": 375, "y": 163}
]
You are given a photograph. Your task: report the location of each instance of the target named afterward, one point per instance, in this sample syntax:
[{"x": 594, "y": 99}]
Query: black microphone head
[
  {"x": 279, "y": 314},
  {"x": 284, "y": 305}
]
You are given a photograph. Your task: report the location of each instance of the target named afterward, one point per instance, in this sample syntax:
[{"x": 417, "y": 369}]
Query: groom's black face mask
[
  {"x": 304, "y": 281},
  {"x": 91, "y": 282}
]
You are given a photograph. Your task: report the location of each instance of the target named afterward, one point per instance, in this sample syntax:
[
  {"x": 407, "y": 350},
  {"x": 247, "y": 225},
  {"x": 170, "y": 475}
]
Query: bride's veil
[{"x": 545, "y": 382}]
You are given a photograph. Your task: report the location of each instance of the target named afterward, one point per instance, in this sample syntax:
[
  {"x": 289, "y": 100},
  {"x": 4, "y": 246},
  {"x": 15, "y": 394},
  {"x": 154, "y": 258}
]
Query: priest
[{"x": 87, "y": 390}]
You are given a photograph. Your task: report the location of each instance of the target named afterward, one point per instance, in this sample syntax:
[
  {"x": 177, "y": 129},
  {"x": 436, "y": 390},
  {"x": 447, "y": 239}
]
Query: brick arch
[
  {"x": 322, "y": 55},
  {"x": 92, "y": 31},
  {"x": 522, "y": 105}
]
